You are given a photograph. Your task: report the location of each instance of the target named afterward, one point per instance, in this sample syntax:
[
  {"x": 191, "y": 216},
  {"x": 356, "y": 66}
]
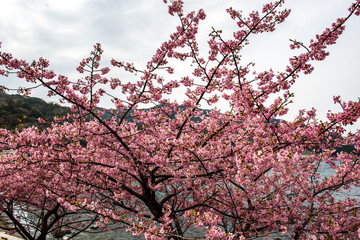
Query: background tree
[
  {"x": 18, "y": 112},
  {"x": 237, "y": 172}
]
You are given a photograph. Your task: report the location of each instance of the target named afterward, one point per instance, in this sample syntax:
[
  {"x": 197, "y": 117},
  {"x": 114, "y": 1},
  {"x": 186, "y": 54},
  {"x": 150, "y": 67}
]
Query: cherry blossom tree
[
  {"x": 28, "y": 210},
  {"x": 236, "y": 174}
]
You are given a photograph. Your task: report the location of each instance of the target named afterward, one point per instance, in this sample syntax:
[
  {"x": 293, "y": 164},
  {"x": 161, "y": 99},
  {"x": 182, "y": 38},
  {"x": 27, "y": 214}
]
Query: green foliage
[{"x": 18, "y": 112}]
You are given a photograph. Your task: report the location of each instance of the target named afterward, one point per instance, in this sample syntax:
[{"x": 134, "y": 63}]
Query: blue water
[{"x": 353, "y": 192}]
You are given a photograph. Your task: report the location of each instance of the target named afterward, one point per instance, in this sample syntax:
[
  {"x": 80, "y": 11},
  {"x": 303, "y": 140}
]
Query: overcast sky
[{"x": 65, "y": 31}]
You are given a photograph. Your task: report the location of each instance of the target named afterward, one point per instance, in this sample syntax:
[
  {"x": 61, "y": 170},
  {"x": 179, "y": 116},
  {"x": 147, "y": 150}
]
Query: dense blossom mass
[{"x": 161, "y": 171}]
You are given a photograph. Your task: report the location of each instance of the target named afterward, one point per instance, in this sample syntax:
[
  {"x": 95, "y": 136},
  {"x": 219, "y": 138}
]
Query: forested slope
[{"x": 18, "y": 112}]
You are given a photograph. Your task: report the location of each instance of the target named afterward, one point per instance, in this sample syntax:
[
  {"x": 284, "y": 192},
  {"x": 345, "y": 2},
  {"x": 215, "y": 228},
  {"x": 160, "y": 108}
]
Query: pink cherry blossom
[{"x": 160, "y": 171}]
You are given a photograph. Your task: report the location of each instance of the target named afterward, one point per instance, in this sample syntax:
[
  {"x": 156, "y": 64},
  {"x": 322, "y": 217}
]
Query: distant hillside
[{"x": 18, "y": 112}]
